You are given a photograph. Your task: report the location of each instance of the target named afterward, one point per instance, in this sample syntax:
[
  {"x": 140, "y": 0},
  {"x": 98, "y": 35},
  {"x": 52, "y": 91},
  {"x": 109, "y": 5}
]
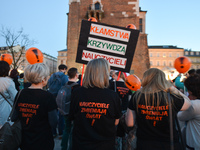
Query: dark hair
[
  {"x": 21, "y": 75},
  {"x": 192, "y": 83},
  {"x": 72, "y": 72},
  {"x": 191, "y": 71},
  {"x": 79, "y": 76},
  {"x": 14, "y": 73},
  {"x": 198, "y": 71},
  {"x": 4, "y": 68},
  {"x": 62, "y": 67}
]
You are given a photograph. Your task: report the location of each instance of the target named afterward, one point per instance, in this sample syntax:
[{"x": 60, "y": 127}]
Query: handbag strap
[
  {"x": 13, "y": 108},
  {"x": 170, "y": 123},
  {"x": 171, "y": 126},
  {"x": 180, "y": 133},
  {"x": 6, "y": 99}
]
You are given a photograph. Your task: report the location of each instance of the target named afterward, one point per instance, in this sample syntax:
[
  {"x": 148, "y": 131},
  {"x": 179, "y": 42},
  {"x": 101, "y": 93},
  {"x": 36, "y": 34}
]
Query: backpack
[
  {"x": 56, "y": 84},
  {"x": 63, "y": 98}
]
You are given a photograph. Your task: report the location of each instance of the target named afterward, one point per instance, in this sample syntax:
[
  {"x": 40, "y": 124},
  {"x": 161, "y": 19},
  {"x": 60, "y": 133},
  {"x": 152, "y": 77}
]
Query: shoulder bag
[
  {"x": 10, "y": 135},
  {"x": 182, "y": 145}
]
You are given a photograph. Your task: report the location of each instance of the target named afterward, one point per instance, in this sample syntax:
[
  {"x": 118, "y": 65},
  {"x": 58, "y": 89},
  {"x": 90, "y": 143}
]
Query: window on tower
[
  {"x": 140, "y": 24},
  {"x": 97, "y": 6}
]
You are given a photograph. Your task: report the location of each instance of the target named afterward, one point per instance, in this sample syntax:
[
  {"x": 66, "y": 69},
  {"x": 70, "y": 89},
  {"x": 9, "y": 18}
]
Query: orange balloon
[
  {"x": 34, "y": 55},
  {"x": 7, "y": 57},
  {"x": 92, "y": 19},
  {"x": 182, "y": 64},
  {"x": 131, "y": 26},
  {"x": 133, "y": 82}
]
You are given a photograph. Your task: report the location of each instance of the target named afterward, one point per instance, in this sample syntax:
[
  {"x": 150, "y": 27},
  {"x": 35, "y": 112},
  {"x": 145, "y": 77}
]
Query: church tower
[{"x": 112, "y": 12}]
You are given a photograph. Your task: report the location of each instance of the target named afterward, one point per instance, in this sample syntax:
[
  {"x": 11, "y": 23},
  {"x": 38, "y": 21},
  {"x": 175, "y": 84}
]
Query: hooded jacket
[{"x": 7, "y": 88}]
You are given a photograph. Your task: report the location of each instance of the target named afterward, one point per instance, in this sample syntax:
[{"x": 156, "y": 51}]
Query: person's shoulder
[
  {"x": 196, "y": 103},
  {"x": 110, "y": 92}
]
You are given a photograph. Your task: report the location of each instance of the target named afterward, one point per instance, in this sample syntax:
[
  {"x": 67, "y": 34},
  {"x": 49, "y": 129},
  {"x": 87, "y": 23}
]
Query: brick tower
[{"x": 112, "y": 12}]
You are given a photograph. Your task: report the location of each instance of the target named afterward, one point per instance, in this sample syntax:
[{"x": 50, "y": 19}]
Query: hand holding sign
[
  {"x": 182, "y": 64},
  {"x": 34, "y": 55},
  {"x": 7, "y": 57}
]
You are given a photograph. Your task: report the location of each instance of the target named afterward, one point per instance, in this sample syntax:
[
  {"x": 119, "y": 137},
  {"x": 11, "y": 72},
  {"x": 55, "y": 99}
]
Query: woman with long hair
[
  {"x": 95, "y": 109},
  {"x": 149, "y": 108}
]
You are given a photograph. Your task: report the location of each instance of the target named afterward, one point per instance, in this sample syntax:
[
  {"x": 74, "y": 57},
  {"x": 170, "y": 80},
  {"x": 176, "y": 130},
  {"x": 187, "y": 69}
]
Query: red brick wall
[{"x": 77, "y": 12}]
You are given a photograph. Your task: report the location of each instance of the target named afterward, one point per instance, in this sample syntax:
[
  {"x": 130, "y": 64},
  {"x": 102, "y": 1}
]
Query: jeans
[
  {"x": 60, "y": 125},
  {"x": 66, "y": 143}
]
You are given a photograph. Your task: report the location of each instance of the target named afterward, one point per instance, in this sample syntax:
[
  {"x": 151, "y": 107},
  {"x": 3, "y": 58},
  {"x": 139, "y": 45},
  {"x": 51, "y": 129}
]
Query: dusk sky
[{"x": 171, "y": 22}]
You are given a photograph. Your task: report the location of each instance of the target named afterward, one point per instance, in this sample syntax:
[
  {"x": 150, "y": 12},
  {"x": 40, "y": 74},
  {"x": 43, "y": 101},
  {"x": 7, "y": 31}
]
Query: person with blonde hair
[
  {"x": 95, "y": 109},
  {"x": 149, "y": 108},
  {"x": 37, "y": 110}
]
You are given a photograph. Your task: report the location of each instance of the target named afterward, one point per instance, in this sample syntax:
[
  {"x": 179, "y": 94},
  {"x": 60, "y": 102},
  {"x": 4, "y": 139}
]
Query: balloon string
[
  {"x": 82, "y": 74},
  {"x": 118, "y": 75}
]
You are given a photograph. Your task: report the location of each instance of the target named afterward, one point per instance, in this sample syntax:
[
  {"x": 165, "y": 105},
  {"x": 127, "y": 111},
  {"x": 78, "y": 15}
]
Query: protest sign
[{"x": 113, "y": 43}]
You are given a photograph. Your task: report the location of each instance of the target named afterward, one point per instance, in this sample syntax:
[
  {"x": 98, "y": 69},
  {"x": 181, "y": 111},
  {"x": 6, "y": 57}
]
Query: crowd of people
[{"x": 103, "y": 114}]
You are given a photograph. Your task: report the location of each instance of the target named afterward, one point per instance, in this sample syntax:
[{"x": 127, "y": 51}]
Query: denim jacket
[{"x": 7, "y": 88}]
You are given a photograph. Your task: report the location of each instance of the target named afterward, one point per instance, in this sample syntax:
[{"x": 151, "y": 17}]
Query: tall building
[{"x": 112, "y": 12}]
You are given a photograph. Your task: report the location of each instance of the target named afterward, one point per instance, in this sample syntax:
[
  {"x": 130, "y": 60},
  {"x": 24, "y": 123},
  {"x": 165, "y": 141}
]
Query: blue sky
[{"x": 171, "y": 22}]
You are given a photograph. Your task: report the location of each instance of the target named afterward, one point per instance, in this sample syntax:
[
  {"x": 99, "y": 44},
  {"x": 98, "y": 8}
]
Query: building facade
[
  {"x": 163, "y": 57},
  {"x": 62, "y": 57},
  {"x": 112, "y": 12},
  {"x": 194, "y": 57}
]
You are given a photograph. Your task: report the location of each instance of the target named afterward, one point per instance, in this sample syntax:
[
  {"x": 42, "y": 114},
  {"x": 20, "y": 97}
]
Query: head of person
[
  {"x": 121, "y": 76},
  {"x": 191, "y": 72},
  {"x": 79, "y": 76},
  {"x": 14, "y": 73},
  {"x": 4, "y": 68},
  {"x": 36, "y": 73},
  {"x": 62, "y": 68},
  {"x": 198, "y": 71},
  {"x": 154, "y": 80},
  {"x": 73, "y": 73},
  {"x": 97, "y": 74},
  {"x": 21, "y": 75},
  {"x": 192, "y": 83}
]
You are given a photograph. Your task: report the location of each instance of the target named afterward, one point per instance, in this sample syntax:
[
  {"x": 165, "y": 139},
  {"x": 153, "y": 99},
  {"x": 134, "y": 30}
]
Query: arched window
[{"x": 97, "y": 6}]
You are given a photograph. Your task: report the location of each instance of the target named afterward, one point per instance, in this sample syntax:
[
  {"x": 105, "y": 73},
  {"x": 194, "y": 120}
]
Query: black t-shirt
[
  {"x": 33, "y": 106},
  {"x": 122, "y": 91},
  {"x": 153, "y": 120},
  {"x": 94, "y": 111}
]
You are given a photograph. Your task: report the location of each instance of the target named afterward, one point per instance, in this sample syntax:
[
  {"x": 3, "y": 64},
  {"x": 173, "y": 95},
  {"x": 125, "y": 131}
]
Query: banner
[{"x": 115, "y": 44}]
